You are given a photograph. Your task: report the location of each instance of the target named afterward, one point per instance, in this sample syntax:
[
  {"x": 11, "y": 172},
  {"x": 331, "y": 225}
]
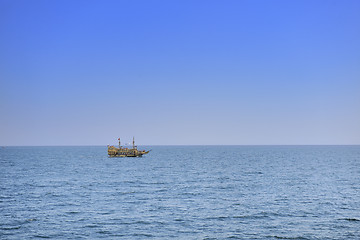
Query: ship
[{"x": 125, "y": 152}]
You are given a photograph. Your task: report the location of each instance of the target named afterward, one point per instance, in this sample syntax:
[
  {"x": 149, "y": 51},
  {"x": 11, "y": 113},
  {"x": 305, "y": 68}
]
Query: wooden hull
[{"x": 139, "y": 154}]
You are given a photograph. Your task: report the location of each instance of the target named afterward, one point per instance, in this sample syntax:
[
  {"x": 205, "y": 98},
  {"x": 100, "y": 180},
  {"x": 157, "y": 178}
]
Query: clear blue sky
[{"x": 179, "y": 72}]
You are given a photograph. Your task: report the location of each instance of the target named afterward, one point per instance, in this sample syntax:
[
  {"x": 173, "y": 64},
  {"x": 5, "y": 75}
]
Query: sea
[{"x": 181, "y": 192}]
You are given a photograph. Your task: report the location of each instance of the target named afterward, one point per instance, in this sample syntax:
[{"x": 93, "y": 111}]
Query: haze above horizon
[{"x": 179, "y": 72}]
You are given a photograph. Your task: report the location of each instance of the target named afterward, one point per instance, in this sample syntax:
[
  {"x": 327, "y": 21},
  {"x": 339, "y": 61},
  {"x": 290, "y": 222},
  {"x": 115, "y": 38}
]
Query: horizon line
[{"x": 101, "y": 145}]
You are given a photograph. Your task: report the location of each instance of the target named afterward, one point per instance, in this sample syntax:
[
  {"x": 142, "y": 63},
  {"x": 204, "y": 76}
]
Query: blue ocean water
[{"x": 181, "y": 192}]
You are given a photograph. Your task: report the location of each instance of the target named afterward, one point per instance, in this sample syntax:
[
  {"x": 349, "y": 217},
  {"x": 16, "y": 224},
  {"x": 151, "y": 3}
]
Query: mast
[{"x": 133, "y": 142}]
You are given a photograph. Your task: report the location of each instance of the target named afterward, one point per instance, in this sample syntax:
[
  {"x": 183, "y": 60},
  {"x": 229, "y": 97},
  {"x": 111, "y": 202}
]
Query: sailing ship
[{"x": 124, "y": 151}]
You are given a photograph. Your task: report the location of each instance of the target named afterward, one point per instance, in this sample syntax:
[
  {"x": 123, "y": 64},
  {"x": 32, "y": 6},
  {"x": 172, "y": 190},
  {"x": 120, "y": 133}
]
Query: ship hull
[{"x": 128, "y": 155}]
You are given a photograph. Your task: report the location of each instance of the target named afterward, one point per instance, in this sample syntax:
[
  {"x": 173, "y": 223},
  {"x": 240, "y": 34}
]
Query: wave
[{"x": 350, "y": 219}]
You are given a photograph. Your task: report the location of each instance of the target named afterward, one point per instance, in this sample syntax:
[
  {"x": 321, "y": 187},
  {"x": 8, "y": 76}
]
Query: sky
[{"x": 196, "y": 72}]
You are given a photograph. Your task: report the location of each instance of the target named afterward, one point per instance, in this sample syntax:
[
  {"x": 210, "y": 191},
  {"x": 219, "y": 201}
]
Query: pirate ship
[{"x": 124, "y": 151}]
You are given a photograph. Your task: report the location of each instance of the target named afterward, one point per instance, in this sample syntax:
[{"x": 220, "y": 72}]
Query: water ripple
[{"x": 181, "y": 192}]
